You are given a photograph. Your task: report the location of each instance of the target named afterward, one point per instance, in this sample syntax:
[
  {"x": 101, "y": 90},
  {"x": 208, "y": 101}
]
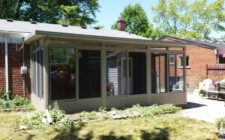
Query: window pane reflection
[{"x": 62, "y": 67}]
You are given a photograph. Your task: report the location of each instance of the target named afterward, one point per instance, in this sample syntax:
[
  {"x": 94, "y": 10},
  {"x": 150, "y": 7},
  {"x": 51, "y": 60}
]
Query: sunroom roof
[
  {"x": 29, "y": 27},
  {"x": 32, "y": 31}
]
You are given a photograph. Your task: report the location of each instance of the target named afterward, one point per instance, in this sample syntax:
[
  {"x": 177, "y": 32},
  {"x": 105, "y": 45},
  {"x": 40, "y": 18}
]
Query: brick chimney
[{"x": 121, "y": 25}]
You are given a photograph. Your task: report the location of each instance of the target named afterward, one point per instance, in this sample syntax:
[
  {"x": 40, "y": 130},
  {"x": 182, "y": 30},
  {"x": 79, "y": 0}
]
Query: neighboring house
[
  {"x": 78, "y": 68},
  {"x": 199, "y": 57}
]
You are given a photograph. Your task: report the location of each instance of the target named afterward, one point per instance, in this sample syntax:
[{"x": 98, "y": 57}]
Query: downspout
[
  {"x": 24, "y": 75},
  {"x": 6, "y": 66}
]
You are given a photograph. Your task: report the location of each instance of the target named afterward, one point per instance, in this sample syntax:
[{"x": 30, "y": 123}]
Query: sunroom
[{"x": 77, "y": 72}]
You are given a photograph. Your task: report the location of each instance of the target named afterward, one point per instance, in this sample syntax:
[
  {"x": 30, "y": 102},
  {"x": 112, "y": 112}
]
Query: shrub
[
  {"x": 14, "y": 102},
  {"x": 202, "y": 92},
  {"x": 220, "y": 123},
  {"x": 35, "y": 121}
]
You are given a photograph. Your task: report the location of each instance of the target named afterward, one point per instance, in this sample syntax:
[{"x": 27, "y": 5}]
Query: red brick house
[
  {"x": 79, "y": 68},
  {"x": 199, "y": 56}
]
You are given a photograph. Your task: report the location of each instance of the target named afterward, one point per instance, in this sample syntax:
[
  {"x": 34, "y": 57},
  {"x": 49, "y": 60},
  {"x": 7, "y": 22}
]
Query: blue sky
[{"x": 110, "y": 11}]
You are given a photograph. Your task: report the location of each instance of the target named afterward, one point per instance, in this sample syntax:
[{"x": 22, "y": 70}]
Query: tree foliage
[
  {"x": 73, "y": 12},
  {"x": 194, "y": 19},
  {"x": 136, "y": 20}
]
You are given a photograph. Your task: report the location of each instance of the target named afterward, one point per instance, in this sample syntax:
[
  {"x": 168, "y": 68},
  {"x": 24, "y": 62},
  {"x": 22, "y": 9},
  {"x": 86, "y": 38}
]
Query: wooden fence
[{"x": 215, "y": 70}]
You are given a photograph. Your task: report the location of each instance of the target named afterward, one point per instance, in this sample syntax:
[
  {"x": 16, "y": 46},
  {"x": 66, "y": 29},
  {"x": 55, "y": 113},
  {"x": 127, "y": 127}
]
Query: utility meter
[{"x": 23, "y": 70}]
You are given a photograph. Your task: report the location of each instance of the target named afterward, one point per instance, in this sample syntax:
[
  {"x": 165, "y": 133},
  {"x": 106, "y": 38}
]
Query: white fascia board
[
  {"x": 40, "y": 34},
  {"x": 33, "y": 37},
  {"x": 12, "y": 37}
]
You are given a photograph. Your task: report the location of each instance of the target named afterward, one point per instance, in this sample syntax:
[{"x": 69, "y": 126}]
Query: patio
[{"x": 203, "y": 108}]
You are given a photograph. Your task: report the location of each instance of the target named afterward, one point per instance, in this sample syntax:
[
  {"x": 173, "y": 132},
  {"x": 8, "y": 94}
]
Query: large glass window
[
  {"x": 63, "y": 75},
  {"x": 167, "y": 76},
  {"x": 89, "y": 74},
  {"x": 126, "y": 73},
  {"x": 159, "y": 63},
  {"x": 176, "y": 72},
  {"x": 116, "y": 73},
  {"x": 172, "y": 73},
  {"x": 38, "y": 73},
  {"x": 137, "y": 73}
]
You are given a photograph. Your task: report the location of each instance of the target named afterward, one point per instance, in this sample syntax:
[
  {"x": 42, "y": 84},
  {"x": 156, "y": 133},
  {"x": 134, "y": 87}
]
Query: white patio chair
[{"x": 179, "y": 86}]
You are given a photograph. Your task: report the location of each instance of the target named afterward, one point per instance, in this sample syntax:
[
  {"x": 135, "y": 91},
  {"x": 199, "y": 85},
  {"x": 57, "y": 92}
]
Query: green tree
[
  {"x": 136, "y": 21},
  {"x": 8, "y": 8},
  {"x": 194, "y": 19},
  {"x": 72, "y": 12}
]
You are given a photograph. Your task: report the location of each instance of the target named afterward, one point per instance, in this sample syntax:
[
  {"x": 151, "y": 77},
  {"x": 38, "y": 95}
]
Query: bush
[
  {"x": 202, "y": 92},
  {"x": 220, "y": 123},
  {"x": 14, "y": 102},
  {"x": 35, "y": 121}
]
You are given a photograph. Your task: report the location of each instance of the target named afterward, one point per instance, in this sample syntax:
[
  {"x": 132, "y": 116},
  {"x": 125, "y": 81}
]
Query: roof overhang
[
  {"x": 13, "y": 37},
  {"x": 14, "y": 34},
  {"x": 189, "y": 41},
  {"x": 46, "y": 34}
]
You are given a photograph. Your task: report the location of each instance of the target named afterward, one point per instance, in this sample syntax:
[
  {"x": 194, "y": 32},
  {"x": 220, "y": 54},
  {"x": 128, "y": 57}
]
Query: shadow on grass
[
  {"x": 157, "y": 134},
  {"x": 112, "y": 136},
  {"x": 72, "y": 133},
  {"x": 30, "y": 137}
]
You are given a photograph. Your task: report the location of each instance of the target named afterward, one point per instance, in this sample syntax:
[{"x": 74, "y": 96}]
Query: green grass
[{"x": 160, "y": 127}]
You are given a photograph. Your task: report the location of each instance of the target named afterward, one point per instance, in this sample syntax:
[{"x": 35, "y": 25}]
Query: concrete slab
[{"x": 203, "y": 108}]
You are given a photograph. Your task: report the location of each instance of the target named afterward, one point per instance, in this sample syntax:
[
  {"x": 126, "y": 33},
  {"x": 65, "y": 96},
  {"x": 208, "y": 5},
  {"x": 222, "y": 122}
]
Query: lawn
[{"x": 159, "y": 127}]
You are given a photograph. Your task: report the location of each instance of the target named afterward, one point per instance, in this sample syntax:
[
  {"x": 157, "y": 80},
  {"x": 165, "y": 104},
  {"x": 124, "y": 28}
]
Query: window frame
[
  {"x": 37, "y": 66},
  {"x": 173, "y": 58},
  {"x": 127, "y": 51},
  {"x": 187, "y": 61}
]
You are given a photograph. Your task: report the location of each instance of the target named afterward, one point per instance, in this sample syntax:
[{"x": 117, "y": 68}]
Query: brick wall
[
  {"x": 15, "y": 62},
  {"x": 199, "y": 57}
]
